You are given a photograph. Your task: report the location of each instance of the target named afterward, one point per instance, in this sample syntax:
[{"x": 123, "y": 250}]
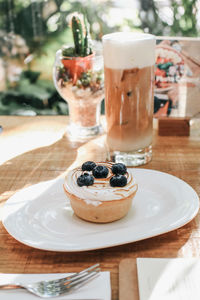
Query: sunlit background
[{"x": 31, "y": 31}]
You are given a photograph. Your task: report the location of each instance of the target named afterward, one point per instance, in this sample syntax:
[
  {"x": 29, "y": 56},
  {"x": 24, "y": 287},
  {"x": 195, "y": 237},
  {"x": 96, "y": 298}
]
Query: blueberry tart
[{"x": 100, "y": 192}]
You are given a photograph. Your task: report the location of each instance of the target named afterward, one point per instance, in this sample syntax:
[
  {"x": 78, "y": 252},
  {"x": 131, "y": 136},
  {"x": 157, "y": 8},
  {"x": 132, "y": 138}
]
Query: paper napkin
[
  {"x": 97, "y": 288},
  {"x": 168, "y": 279}
]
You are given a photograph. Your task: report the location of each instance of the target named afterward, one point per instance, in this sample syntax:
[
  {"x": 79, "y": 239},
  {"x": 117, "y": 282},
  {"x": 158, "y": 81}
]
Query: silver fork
[{"x": 57, "y": 287}]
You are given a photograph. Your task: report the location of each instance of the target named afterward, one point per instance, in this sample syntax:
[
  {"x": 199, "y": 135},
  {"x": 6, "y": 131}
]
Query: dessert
[{"x": 100, "y": 192}]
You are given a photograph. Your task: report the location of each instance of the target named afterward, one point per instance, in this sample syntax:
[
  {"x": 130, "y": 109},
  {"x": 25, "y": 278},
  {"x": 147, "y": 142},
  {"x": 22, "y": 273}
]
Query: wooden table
[{"x": 34, "y": 149}]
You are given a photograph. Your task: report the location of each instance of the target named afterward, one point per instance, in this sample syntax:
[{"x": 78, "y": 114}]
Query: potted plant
[
  {"x": 78, "y": 77},
  {"x": 77, "y": 59}
]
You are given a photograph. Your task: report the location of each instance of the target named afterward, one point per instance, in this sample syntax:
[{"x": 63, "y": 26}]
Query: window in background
[{"x": 31, "y": 31}]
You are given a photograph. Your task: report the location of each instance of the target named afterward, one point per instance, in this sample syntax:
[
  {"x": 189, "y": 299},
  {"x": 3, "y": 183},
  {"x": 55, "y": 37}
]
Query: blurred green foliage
[
  {"x": 182, "y": 20},
  {"x": 32, "y": 96},
  {"x": 32, "y": 31}
]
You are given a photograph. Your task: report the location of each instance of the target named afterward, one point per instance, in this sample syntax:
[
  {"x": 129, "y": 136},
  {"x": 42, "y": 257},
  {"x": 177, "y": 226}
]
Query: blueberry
[
  {"x": 88, "y": 166},
  {"x": 85, "y": 179},
  {"x": 119, "y": 168},
  {"x": 100, "y": 172},
  {"x": 118, "y": 180}
]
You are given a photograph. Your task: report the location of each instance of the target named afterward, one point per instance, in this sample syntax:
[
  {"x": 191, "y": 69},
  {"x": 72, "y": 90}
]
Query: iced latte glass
[{"x": 129, "y": 60}]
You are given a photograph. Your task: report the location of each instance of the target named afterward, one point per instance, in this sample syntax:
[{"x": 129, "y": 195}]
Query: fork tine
[
  {"x": 82, "y": 274},
  {"x": 79, "y": 282},
  {"x": 84, "y": 278},
  {"x": 90, "y": 269},
  {"x": 75, "y": 276}
]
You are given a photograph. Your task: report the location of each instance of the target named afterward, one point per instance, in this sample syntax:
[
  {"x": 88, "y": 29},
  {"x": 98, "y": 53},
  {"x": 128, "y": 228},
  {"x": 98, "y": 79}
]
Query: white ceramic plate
[{"x": 40, "y": 216}]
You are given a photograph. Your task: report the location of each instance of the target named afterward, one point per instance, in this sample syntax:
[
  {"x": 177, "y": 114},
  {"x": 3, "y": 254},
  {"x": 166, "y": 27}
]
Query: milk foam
[{"x": 127, "y": 50}]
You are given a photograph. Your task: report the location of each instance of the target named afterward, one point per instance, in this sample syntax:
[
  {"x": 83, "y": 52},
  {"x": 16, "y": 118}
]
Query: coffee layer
[{"x": 129, "y": 108}]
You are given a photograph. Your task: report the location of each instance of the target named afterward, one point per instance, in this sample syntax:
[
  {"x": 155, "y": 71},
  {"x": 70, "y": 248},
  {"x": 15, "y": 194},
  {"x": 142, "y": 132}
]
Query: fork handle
[{"x": 10, "y": 286}]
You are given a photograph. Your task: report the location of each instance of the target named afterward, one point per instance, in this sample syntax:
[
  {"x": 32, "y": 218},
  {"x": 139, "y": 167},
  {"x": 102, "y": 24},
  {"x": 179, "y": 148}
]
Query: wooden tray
[{"x": 128, "y": 280}]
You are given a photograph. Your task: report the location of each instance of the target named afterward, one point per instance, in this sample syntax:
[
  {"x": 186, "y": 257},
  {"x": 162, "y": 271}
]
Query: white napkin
[
  {"x": 168, "y": 279},
  {"x": 97, "y": 288}
]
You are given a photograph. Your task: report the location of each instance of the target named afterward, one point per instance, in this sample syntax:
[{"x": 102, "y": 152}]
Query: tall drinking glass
[{"x": 129, "y": 60}]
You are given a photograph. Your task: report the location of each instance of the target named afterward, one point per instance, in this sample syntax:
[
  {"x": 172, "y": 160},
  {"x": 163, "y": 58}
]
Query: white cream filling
[{"x": 101, "y": 190}]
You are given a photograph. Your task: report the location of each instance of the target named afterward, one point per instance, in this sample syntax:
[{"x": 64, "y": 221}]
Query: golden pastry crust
[
  {"x": 107, "y": 211},
  {"x": 99, "y": 203}
]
